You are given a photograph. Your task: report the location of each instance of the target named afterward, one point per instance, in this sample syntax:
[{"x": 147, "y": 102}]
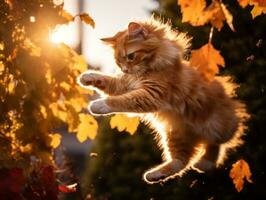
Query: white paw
[
  {"x": 99, "y": 107},
  {"x": 154, "y": 176}
]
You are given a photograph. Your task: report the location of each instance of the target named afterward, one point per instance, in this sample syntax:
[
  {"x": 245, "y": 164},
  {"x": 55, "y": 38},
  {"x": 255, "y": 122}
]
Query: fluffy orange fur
[{"x": 196, "y": 121}]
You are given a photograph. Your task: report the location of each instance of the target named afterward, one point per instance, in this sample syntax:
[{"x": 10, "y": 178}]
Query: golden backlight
[{"x": 67, "y": 34}]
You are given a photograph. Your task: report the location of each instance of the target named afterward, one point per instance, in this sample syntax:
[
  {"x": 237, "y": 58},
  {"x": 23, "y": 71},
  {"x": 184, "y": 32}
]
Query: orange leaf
[
  {"x": 213, "y": 14},
  {"x": 87, "y": 19},
  {"x": 240, "y": 170},
  {"x": 206, "y": 60},
  {"x": 258, "y": 10},
  {"x": 243, "y": 3},
  {"x": 192, "y": 10},
  {"x": 261, "y": 3}
]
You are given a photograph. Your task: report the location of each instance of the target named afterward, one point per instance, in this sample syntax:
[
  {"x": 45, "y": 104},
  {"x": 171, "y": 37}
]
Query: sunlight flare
[{"x": 65, "y": 34}]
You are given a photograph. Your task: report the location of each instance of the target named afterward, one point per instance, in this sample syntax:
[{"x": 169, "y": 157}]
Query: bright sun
[{"x": 67, "y": 34}]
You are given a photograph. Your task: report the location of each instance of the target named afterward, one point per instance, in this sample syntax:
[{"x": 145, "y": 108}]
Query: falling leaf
[
  {"x": 191, "y": 10},
  {"x": 55, "y": 140},
  {"x": 240, "y": 171},
  {"x": 206, "y": 60},
  {"x": 87, "y": 128},
  {"x": 124, "y": 123},
  {"x": 68, "y": 188},
  {"x": 87, "y": 19}
]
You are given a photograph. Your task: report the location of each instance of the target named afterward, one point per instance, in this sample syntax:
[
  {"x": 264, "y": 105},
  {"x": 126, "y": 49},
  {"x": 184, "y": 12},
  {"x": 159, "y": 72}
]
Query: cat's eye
[{"x": 131, "y": 56}]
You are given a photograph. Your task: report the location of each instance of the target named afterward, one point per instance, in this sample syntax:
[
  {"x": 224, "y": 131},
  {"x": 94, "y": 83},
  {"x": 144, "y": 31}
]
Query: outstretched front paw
[
  {"x": 99, "y": 107},
  {"x": 91, "y": 79}
]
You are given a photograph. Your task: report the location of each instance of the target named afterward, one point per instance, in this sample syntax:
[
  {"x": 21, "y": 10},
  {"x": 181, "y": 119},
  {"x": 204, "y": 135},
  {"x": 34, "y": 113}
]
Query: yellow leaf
[
  {"x": 124, "y": 123},
  {"x": 87, "y": 19},
  {"x": 66, "y": 15},
  {"x": 79, "y": 63},
  {"x": 191, "y": 10},
  {"x": 57, "y": 112},
  {"x": 65, "y": 85},
  {"x": 87, "y": 128},
  {"x": 2, "y": 67},
  {"x": 26, "y": 149},
  {"x": 240, "y": 171},
  {"x": 43, "y": 111},
  {"x": 48, "y": 76},
  {"x": 11, "y": 87},
  {"x": 206, "y": 60},
  {"x": 55, "y": 140},
  {"x": 34, "y": 50},
  {"x": 78, "y": 103}
]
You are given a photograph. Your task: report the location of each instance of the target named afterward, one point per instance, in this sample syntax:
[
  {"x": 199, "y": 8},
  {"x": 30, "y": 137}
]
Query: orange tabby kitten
[{"x": 195, "y": 120}]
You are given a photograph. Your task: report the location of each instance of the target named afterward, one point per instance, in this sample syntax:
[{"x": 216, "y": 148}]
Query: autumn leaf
[
  {"x": 87, "y": 19},
  {"x": 243, "y": 3},
  {"x": 206, "y": 60},
  {"x": 65, "y": 86},
  {"x": 87, "y": 128},
  {"x": 67, "y": 15},
  {"x": 240, "y": 171},
  {"x": 258, "y": 10},
  {"x": 55, "y": 140},
  {"x": 213, "y": 14},
  {"x": 260, "y": 2},
  {"x": 43, "y": 111},
  {"x": 78, "y": 103},
  {"x": 124, "y": 123},
  {"x": 191, "y": 10}
]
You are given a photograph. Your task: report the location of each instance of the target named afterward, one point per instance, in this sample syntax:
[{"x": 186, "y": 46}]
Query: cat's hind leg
[
  {"x": 208, "y": 161},
  {"x": 163, "y": 171},
  {"x": 180, "y": 149}
]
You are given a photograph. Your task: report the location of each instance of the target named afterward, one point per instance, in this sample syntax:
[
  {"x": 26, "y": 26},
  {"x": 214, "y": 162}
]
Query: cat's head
[{"x": 147, "y": 46}]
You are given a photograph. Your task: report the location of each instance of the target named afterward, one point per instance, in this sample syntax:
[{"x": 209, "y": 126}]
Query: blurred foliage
[
  {"x": 116, "y": 173},
  {"x": 38, "y": 89}
]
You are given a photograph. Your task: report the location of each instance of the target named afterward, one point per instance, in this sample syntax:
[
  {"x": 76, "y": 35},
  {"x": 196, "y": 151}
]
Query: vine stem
[{"x": 210, "y": 35}]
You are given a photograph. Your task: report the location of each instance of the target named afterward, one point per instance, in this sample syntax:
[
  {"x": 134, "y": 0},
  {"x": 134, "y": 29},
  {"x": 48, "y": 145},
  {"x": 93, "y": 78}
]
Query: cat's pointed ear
[
  {"x": 135, "y": 30},
  {"x": 109, "y": 40}
]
